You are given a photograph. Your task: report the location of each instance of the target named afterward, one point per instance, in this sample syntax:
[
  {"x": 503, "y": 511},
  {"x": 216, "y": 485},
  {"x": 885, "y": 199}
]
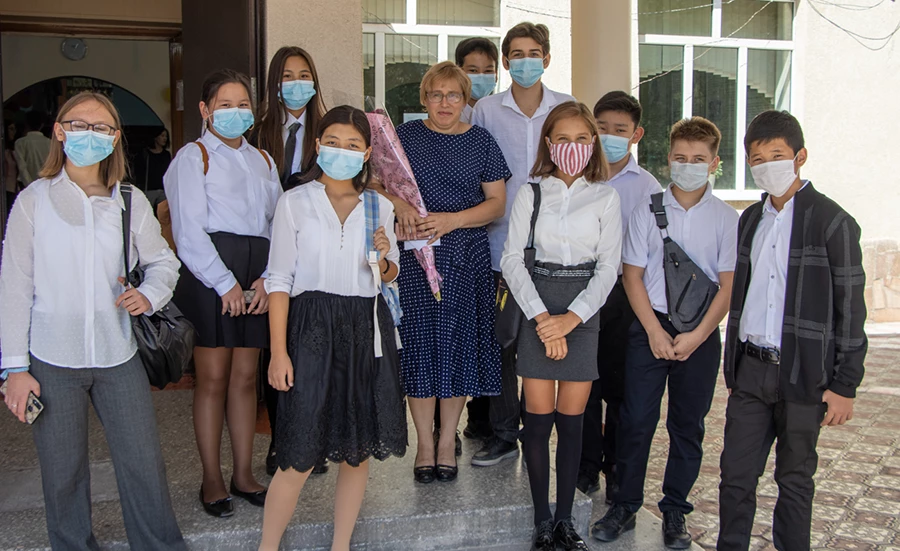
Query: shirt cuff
[
  {"x": 581, "y": 309},
  {"x": 156, "y": 302},
  {"x": 6, "y": 372},
  {"x": 534, "y": 308},
  {"x": 10, "y": 363},
  {"x": 273, "y": 285},
  {"x": 842, "y": 390},
  {"x": 226, "y": 286}
]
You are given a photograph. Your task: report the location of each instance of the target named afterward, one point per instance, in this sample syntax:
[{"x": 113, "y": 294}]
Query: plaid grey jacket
[{"x": 823, "y": 342}]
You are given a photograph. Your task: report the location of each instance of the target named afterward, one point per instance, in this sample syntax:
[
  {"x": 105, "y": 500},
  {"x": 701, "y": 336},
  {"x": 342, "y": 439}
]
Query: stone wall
[{"x": 881, "y": 260}]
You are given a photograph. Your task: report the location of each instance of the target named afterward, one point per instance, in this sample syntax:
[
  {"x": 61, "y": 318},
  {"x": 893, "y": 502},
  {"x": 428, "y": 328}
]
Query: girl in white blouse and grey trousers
[
  {"x": 66, "y": 328},
  {"x": 578, "y": 242}
]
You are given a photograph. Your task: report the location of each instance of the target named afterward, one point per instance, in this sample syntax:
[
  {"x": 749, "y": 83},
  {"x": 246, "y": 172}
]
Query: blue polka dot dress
[{"x": 449, "y": 348}]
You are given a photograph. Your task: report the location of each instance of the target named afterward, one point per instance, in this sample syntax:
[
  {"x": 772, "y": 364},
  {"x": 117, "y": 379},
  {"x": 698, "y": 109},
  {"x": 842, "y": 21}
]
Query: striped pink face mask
[{"x": 571, "y": 157}]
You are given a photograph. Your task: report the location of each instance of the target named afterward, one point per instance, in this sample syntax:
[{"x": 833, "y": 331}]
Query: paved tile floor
[{"x": 857, "y": 503}]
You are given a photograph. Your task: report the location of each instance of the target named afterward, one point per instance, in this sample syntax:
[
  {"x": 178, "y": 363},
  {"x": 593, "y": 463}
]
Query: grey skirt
[{"x": 580, "y": 364}]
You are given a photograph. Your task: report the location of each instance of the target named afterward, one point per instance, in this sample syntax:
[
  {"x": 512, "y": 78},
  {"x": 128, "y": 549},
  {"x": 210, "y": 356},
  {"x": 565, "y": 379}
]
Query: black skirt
[
  {"x": 247, "y": 258},
  {"x": 346, "y": 405}
]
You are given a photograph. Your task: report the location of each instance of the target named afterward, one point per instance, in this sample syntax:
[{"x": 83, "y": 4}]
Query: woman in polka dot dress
[{"x": 449, "y": 349}]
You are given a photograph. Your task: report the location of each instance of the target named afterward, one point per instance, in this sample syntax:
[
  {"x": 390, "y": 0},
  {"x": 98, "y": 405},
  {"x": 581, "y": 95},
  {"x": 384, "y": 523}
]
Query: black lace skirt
[{"x": 345, "y": 405}]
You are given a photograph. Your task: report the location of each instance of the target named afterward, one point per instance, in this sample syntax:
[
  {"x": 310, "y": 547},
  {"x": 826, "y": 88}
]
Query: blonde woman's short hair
[{"x": 445, "y": 70}]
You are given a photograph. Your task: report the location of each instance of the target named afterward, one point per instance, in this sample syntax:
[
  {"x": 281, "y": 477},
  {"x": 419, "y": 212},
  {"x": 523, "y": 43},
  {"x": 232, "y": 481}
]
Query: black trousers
[
  {"x": 506, "y": 409},
  {"x": 757, "y": 417},
  {"x": 598, "y": 442},
  {"x": 691, "y": 385}
]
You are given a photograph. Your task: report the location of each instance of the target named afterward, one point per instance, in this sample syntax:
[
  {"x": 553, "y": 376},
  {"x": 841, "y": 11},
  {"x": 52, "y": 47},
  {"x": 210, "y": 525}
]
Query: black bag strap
[
  {"x": 536, "y": 188},
  {"x": 659, "y": 211},
  {"x": 125, "y": 190}
]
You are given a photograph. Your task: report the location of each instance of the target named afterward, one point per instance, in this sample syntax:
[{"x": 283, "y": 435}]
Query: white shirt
[
  {"x": 518, "y": 137},
  {"x": 62, "y": 258},
  {"x": 312, "y": 251},
  {"x": 707, "y": 233},
  {"x": 575, "y": 225},
  {"x": 763, "y": 315},
  {"x": 301, "y": 132},
  {"x": 237, "y": 195},
  {"x": 31, "y": 153},
  {"x": 467, "y": 112},
  {"x": 635, "y": 186}
]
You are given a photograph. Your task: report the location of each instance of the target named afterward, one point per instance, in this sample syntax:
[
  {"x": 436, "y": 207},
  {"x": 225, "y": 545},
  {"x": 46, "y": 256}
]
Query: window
[
  {"x": 406, "y": 60},
  {"x": 725, "y": 60},
  {"x": 384, "y": 11},
  {"x": 459, "y": 12},
  {"x": 368, "y": 65}
]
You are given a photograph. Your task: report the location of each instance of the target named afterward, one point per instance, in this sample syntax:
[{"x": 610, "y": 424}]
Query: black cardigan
[{"x": 823, "y": 341}]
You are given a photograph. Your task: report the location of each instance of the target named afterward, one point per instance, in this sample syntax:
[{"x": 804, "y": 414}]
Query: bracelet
[{"x": 388, "y": 268}]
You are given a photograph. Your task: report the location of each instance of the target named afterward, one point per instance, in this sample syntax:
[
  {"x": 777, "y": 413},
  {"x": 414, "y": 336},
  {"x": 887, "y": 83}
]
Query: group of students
[{"x": 292, "y": 229}]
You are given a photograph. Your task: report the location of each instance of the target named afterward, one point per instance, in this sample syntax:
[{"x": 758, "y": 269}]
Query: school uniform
[
  {"x": 293, "y": 133},
  {"x": 518, "y": 137},
  {"x": 796, "y": 329},
  {"x": 706, "y": 232},
  {"x": 346, "y": 404},
  {"x": 221, "y": 221},
  {"x": 598, "y": 453},
  {"x": 62, "y": 258}
]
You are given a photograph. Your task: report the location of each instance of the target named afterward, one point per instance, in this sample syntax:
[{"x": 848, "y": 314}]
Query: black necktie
[{"x": 290, "y": 146}]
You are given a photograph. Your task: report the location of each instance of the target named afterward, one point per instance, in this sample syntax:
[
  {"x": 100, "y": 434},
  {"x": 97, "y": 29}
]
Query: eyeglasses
[
  {"x": 81, "y": 126},
  {"x": 438, "y": 97}
]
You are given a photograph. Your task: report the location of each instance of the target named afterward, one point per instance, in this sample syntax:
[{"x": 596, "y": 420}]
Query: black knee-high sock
[
  {"x": 568, "y": 456},
  {"x": 537, "y": 457}
]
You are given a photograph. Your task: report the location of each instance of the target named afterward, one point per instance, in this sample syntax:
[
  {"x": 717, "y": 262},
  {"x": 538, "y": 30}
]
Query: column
[{"x": 603, "y": 48}]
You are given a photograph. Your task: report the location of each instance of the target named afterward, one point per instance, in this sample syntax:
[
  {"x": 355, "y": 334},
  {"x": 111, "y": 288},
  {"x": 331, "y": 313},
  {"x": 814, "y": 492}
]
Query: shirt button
[{"x": 772, "y": 277}]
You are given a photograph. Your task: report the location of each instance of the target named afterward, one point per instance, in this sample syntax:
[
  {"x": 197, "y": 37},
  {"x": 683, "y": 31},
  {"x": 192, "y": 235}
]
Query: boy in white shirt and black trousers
[
  {"x": 795, "y": 345},
  {"x": 679, "y": 296}
]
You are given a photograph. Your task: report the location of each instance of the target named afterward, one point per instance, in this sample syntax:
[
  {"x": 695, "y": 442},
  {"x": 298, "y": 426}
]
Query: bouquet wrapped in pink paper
[{"x": 390, "y": 165}]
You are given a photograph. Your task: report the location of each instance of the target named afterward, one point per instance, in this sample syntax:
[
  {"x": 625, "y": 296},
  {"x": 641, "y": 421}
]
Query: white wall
[
  {"x": 139, "y": 66},
  {"x": 556, "y": 14}
]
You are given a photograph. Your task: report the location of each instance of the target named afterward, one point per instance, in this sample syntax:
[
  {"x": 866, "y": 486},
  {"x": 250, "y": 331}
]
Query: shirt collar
[
  {"x": 548, "y": 101},
  {"x": 630, "y": 167},
  {"x": 115, "y": 195},
  {"x": 291, "y": 119},
  {"x": 213, "y": 142},
  {"x": 789, "y": 206},
  {"x": 320, "y": 186},
  {"x": 669, "y": 199},
  {"x": 549, "y": 182}
]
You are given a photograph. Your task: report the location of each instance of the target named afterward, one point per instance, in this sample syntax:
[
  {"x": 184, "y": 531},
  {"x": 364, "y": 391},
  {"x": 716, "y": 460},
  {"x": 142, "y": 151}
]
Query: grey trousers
[{"x": 121, "y": 398}]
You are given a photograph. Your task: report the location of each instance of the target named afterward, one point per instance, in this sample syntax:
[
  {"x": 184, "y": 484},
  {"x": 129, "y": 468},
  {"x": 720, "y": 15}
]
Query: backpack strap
[
  {"x": 204, "y": 154},
  {"x": 266, "y": 157},
  {"x": 125, "y": 190},
  {"x": 536, "y": 188},
  {"x": 659, "y": 211}
]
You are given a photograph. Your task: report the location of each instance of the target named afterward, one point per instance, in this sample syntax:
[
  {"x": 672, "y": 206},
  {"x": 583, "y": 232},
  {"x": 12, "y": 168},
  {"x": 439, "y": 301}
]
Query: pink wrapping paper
[{"x": 390, "y": 165}]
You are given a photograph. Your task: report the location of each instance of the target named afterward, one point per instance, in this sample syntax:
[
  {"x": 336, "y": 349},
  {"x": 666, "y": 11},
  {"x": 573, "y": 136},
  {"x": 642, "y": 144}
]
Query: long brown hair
[
  {"x": 345, "y": 114},
  {"x": 597, "y": 169},
  {"x": 271, "y": 122},
  {"x": 113, "y": 169}
]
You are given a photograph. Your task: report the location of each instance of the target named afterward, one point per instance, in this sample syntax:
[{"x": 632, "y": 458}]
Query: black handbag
[
  {"x": 165, "y": 339},
  {"x": 509, "y": 315}
]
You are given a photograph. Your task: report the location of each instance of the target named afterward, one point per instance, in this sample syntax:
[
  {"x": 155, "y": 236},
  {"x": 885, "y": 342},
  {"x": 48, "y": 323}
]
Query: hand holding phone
[{"x": 32, "y": 406}]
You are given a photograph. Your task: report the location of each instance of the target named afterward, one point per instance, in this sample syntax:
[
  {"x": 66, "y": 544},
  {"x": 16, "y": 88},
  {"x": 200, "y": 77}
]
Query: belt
[
  {"x": 555, "y": 270},
  {"x": 766, "y": 355}
]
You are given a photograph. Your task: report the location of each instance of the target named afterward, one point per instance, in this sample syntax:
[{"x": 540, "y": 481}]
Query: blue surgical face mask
[
  {"x": 482, "y": 85},
  {"x": 296, "y": 93},
  {"x": 689, "y": 176},
  {"x": 231, "y": 123},
  {"x": 88, "y": 147},
  {"x": 340, "y": 164},
  {"x": 526, "y": 71},
  {"x": 615, "y": 147}
]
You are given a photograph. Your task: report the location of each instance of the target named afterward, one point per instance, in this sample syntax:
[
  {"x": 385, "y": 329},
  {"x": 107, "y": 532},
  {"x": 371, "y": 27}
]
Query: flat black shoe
[
  {"x": 494, "y": 451},
  {"x": 446, "y": 473},
  {"x": 587, "y": 484},
  {"x": 675, "y": 534},
  {"x": 321, "y": 468},
  {"x": 565, "y": 536},
  {"x": 271, "y": 464},
  {"x": 425, "y": 474},
  {"x": 222, "y": 508},
  {"x": 616, "y": 521},
  {"x": 542, "y": 537},
  {"x": 253, "y": 498}
]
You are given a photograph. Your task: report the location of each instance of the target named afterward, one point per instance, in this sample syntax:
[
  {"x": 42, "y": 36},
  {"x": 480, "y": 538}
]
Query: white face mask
[
  {"x": 774, "y": 177},
  {"x": 689, "y": 176}
]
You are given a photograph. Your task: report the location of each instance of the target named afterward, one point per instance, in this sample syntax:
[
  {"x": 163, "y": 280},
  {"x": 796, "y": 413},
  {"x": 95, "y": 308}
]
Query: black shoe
[
  {"x": 271, "y": 465},
  {"x": 425, "y": 474},
  {"x": 675, "y": 534},
  {"x": 321, "y": 468},
  {"x": 446, "y": 473},
  {"x": 587, "y": 483},
  {"x": 254, "y": 498},
  {"x": 566, "y": 537},
  {"x": 616, "y": 521},
  {"x": 437, "y": 436},
  {"x": 494, "y": 451},
  {"x": 478, "y": 431},
  {"x": 542, "y": 537},
  {"x": 222, "y": 508},
  {"x": 612, "y": 486}
]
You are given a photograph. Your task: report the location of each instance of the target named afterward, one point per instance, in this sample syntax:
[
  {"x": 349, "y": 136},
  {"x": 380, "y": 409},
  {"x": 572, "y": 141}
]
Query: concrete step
[{"x": 486, "y": 509}]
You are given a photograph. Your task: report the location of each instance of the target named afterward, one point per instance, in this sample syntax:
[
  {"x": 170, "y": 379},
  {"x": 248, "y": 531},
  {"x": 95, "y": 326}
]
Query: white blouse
[
  {"x": 237, "y": 195},
  {"x": 312, "y": 251},
  {"x": 575, "y": 225},
  {"x": 62, "y": 258}
]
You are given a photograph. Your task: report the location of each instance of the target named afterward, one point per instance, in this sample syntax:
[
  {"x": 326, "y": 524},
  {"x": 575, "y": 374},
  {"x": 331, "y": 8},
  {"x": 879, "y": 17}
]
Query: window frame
[{"x": 692, "y": 44}]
